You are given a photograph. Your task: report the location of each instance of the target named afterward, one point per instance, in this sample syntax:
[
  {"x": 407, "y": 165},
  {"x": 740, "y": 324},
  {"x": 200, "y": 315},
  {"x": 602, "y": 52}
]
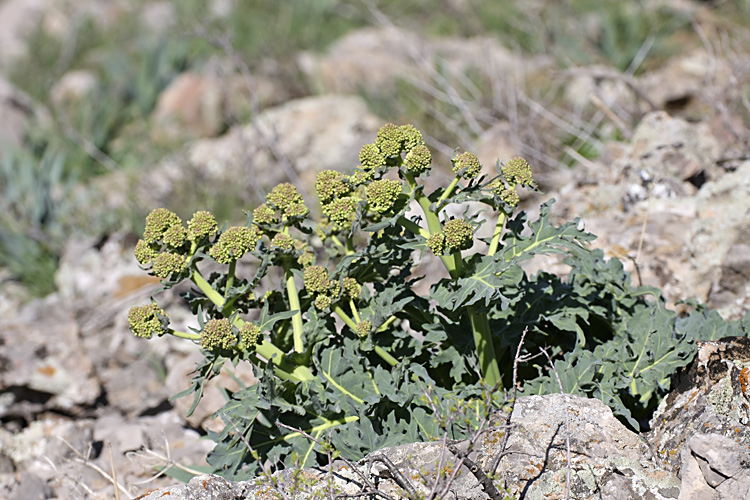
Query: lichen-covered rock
[
  {"x": 701, "y": 431},
  {"x": 606, "y": 461}
]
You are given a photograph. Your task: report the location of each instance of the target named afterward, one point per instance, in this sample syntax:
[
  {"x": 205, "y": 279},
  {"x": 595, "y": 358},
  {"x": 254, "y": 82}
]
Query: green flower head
[
  {"x": 217, "y": 334},
  {"x": 364, "y": 328},
  {"x": 459, "y": 235},
  {"x": 411, "y": 137},
  {"x": 331, "y": 184},
  {"x": 323, "y": 302},
  {"x": 509, "y": 196},
  {"x": 158, "y": 222},
  {"x": 361, "y": 177},
  {"x": 287, "y": 198},
  {"x": 249, "y": 335},
  {"x": 234, "y": 243},
  {"x": 174, "y": 236},
  {"x": 316, "y": 279},
  {"x": 436, "y": 243},
  {"x": 148, "y": 320},
  {"x": 145, "y": 253},
  {"x": 382, "y": 194},
  {"x": 467, "y": 165},
  {"x": 371, "y": 157},
  {"x": 517, "y": 171},
  {"x": 167, "y": 263},
  {"x": 264, "y": 214},
  {"x": 203, "y": 224},
  {"x": 418, "y": 160},
  {"x": 342, "y": 212},
  {"x": 283, "y": 241},
  {"x": 389, "y": 140},
  {"x": 351, "y": 288}
]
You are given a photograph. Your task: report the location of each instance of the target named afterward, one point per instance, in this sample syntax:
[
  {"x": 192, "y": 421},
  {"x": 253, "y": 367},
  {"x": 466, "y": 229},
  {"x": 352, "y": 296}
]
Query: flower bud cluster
[
  {"x": 466, "y": 165},
  {"x": 382, "y": 194},
  {"x": 325, "y": 290},
  {"x": 148, "y": 320},
  {"x": 218, "y": 334},
  {"x": 165, "y": 241},
  {"x": 287, "y": 199},
  {"x": 249, "y": 335},
  {"x": 516, "y": 172},
  {"x": 234, "y": 243},
  {"x": 457, "y": 235}
]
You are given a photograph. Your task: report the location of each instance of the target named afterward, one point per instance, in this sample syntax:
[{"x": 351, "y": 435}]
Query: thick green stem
[
  {"x": 345, "y": 317},
  {"x": 349, "y": 246},
  {"x": 413, "y": 227},
  {"x": 327, "y": 425},
  {"x": 485, "y": 348},
  {"x": 230, "y": 278},
  {"x": 185, "y": 335},
  {"x": 282, "y": 367},
  {"x": 449, "y": 190},
  {"x": 495, "y": 242},
  {"x": 386, "y": 356},
  {"x": 205, "y": 287},
  {"x": 355, "y": 312},
  {"x": 294, "y": 305}
]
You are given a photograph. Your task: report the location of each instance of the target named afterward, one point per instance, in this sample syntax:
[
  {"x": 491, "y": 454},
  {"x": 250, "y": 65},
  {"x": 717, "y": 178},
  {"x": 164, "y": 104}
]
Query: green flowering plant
[{"x": 345, "y": 345}]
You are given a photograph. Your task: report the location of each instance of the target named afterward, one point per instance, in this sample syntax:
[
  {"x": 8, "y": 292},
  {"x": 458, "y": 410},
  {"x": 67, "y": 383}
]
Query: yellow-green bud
[
  {"x": 148, "y": 320},
  {"x": 144, "y": 253},
  {"x": 202, "y": 224},
  {"x": 167, "y": 263},
  {"x": 364, "y": 328},
  {"x": 418, "y": 160},
  {"x": 436, "y": 243},
  {"x": 352, "y": 288},
  {"x": 459, "y": 235},
  {"x": 316, "y": 279},
  {"x": 157, "y": 222},
  {"x": 331, "y": 184},
  {"x": 174, "y": 236},
  {"x": 287, "y": 198},
  {"x": 264, "y": 214},
  {"x": 217, "y": 334},
  {"x": 518, "y": 171},
  {"x": 323, "y": 301},
  {"x": 382, "y": 194},
  {"x": 467, "y": 165},
  {"x": 249, "y": 335},
  {"x": 234, "y": 243},
  {"x": 411, "y": 137},
  {"x": 283, "y": 241},
  {"x": 371, "y": 157}
]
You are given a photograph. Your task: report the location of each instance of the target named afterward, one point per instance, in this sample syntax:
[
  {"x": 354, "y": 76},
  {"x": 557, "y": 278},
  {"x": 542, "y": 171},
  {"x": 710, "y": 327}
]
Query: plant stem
[
  {"x": 291, "y": 290},
  {"x": 449, "y": 190},
  {"x": 185, "y": 335},
  {"x": 485, "y": 348},
  {"x": 499, "y": 226},
  {"x": 413, "y": 227},
  {"x": 205, "y": 287},
  {"x": 230, "y": 278},
  {"x": 318, "y": 428},
  {"x": 386, "y": 356},
  {"x": 355, "y": 312},
  {"x": 345, "y": 317}
]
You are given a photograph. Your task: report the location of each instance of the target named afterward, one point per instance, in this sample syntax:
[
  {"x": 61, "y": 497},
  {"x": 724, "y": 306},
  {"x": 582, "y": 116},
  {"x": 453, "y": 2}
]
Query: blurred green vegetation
[{"x": 110, "y": 131}]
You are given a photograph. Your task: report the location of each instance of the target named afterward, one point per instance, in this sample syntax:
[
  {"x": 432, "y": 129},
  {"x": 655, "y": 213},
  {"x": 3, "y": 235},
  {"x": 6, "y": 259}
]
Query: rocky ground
[{"x": 85, "y": 406}]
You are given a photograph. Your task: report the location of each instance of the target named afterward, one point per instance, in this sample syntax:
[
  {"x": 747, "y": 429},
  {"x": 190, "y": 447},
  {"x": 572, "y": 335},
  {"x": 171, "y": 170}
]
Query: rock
[
  {"x": 376, "y": 59},
  {"x": 287, "y": 143},
  {"x": 191, "y": 106},
  {"x": 73, "y": 86},
  {"x": 44, "y": 364},
  {"x": 607, "y": 459},
  {"x": 18, "y": 19}
]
